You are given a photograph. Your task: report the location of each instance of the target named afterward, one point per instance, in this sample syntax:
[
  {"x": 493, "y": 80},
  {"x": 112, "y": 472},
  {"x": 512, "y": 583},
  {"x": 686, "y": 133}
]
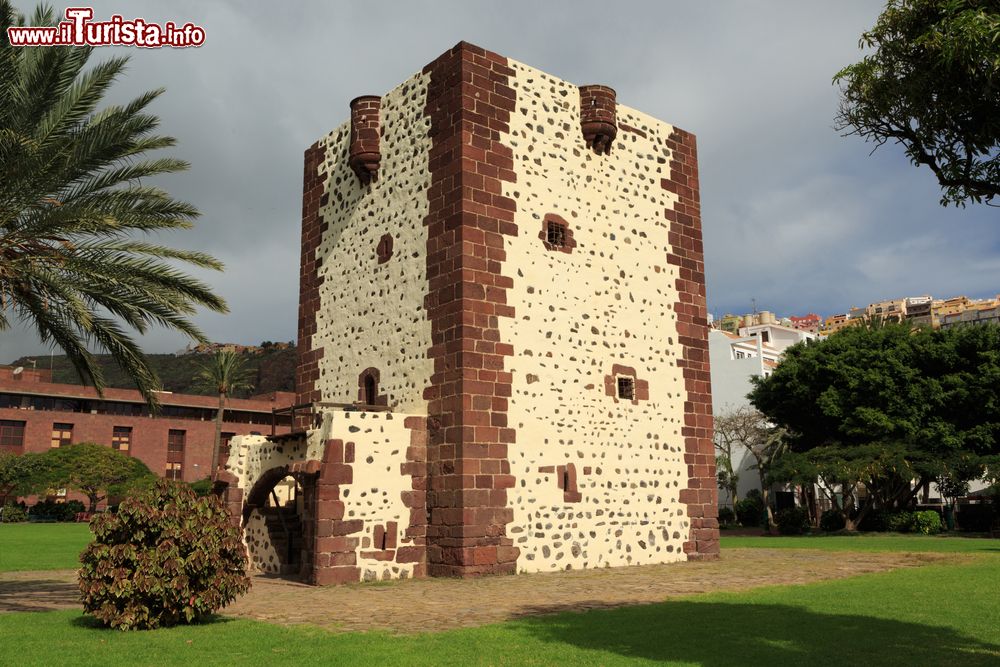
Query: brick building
[
  {"x": 505, "y": 271},
  {"x": 36, "y": 414}
]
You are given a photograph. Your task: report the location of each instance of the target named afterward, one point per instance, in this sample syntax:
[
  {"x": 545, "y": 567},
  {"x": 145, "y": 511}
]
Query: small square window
[
  {"x": 11, "y": 433},
  {"x": 62, "y": 434},
  {"x": 626, "y": 388},
  {"x": 556, "y": 234},
  {"x": 121, "y": 438}
]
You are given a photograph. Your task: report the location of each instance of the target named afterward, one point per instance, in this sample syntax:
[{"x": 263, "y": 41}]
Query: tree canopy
[
  {"x": 75, "y": 204},
  {"x": 94, "y": 470},
  {"x": 884, "y": 406},
  {"x": 932, "y": 85},
  {"x": 18, "y": 473}
]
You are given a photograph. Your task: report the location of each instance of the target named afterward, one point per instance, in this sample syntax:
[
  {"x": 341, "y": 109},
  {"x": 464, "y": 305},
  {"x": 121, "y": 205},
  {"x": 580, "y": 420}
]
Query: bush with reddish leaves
[{"x": 166, "y": 557}]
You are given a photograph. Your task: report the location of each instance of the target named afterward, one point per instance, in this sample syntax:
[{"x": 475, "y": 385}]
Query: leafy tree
[
  {"x": 932, "y": 85},
  {"x": 225, "y": 374},
  {"x": 94, "y": 470},
  {"x": 880, "y": 407},
  {"x": 748, "y": 429},
  {"x": 727, "y": 445},
  {"x": 19, "y": 473},
  {"x": 73, "y": 206},
  {"x": 840, "y": 473}
]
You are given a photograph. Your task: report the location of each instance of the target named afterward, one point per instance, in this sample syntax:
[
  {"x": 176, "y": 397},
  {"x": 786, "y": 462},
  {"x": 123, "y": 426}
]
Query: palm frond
[{"x": 73, "y": 199}]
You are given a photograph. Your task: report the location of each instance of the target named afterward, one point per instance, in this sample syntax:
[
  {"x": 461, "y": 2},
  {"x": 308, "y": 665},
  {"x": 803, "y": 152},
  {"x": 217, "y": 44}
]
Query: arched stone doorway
[{"x": 275, "y": 519}]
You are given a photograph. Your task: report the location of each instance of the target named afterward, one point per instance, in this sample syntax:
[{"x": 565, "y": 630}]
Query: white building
[{"x": 756, "y": 351}]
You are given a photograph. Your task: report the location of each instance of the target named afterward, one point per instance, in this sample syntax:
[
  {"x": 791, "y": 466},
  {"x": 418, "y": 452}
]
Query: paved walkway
[{"x": 439, "y": 604}]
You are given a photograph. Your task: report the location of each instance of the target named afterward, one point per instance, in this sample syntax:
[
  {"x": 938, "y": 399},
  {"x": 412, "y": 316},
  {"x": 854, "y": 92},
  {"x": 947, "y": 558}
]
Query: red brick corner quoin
[
  {"x": 687, "y": 253},
  {"x": 313, "y": 227},
  {"x": 469, "y": 103}
]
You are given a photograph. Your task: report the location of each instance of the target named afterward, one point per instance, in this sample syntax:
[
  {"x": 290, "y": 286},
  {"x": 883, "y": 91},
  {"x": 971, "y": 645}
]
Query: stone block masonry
[
  {"x": 687, "y": 254},
  {"x": 511, "y": 267},
  {"x": 469, "y": 103}
]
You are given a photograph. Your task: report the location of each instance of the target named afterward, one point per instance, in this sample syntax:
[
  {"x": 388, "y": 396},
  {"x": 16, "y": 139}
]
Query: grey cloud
[{"x": 794, "y": 215}]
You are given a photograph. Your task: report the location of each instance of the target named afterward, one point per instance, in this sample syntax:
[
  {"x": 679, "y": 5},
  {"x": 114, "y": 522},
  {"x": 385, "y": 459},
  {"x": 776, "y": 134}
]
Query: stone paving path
[{"x": 440, "y": 604}]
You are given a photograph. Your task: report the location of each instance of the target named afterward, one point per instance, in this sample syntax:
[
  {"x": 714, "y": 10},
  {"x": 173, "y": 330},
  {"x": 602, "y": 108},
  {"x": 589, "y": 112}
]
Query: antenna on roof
[{"x": 753, "y": 302}]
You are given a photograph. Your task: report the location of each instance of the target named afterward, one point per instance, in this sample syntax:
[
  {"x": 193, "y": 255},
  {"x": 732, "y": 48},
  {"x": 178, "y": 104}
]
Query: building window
[
  {"x": 368, "y": 388},
  {"x": 62, "y": 434},
  {"x": 556, "y": 234},
  {"x": 225, "y": 441},
  {"x": 384, "y": 248},
  {"x": 175, "y": 454},
  {"x": 121, "y": 439},
  {"x": 626, "y": 388},
  {"x": 11, "y": 433},
  {"x": 765, "y": 336}
]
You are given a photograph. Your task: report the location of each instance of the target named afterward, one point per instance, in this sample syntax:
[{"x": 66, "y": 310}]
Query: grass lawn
[
  {"x": 944, "y": 614},
  {"x": 867, "y": 542},
  {"x": 42, "y": 546}
]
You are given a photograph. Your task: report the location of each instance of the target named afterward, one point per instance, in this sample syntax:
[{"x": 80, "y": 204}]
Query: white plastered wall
[
  {"x": 371, "y": 314},
  {"x": 608, "y": 302}
]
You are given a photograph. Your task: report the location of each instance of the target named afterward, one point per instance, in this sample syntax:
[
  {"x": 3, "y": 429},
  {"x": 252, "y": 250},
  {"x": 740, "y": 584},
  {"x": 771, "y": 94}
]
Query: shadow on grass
[
  {"x": 717, "y": 633},
  {"x": 92, "y": 623}
]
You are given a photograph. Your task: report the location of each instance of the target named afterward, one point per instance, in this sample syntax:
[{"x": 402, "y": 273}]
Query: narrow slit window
[{"x": 626, "y": 388}]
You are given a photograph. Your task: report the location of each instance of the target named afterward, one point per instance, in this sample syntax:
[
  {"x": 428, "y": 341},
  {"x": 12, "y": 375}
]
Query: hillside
[{"x": 274, "y": 369}]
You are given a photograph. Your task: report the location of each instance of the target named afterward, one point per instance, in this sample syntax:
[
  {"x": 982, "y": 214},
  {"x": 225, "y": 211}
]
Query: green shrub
[
  {"x": 202, "y": 487},
  {"x": 14, "y": 513},
  {"x": 900, "y": 522},
  {"x": 792, "y": 521},
  {"x": 976, "y": 518},
  {"x": 875, "y": 520},
  {"x": 750, "y": 510},
  {"x": 70, "y": 509},
  {"x": 726, "y": 516},
  {"x": 166, "y": 557},
  {"x": 831, "y": 521},
  {"x": 927, "y": 522},
  {"x": 50, "y": 509}
]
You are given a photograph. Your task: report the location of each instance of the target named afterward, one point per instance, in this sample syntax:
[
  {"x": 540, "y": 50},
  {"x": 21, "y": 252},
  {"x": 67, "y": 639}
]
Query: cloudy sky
[{"x": 794, "y": 215}]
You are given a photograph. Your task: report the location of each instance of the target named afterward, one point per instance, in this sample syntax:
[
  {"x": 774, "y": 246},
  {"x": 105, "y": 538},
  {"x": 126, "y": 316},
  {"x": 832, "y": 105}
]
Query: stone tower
[{"x": 502, "y": 336}]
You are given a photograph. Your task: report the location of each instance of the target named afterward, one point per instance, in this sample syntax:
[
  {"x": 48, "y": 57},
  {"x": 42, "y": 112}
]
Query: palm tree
[
  {"x": 73, "y": 209},
  {"x": 225, "y": 374}
]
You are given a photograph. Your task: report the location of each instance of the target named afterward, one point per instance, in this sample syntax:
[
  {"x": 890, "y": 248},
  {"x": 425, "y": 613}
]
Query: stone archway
[
  {"x": 322, "y": 546},
  {"x": 276, "y": 524}
]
